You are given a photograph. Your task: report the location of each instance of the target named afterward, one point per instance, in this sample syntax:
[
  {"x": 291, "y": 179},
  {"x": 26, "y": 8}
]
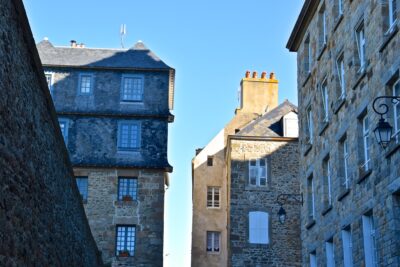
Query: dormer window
[{"x": 290, "y": 125}]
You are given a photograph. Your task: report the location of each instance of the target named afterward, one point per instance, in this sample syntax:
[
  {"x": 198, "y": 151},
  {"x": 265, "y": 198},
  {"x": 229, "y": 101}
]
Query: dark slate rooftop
[
  {"x": 269, "y": 124},
  {"x": 137, "y": 57}
]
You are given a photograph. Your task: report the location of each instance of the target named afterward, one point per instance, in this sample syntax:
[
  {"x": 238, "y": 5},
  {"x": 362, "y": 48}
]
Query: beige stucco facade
[{"x": 258, "y": 95}]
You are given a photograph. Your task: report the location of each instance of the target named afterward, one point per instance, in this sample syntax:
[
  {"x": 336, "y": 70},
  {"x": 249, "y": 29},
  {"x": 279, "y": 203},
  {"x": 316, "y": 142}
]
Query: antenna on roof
[{"x": 122, "y": 33}]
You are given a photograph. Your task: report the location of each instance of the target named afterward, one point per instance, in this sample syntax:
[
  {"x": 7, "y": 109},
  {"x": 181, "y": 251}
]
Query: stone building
[
  {"x": 42, "y": 221},
  {"x": 237, "y": 178},
  {"x": 113, "y": 106},
  {"x": 348, "y": 54}
]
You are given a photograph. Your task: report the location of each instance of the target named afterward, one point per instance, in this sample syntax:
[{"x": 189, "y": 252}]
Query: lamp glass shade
[
  {"x": 282, "y": 215},
  {"x": 383, "y": 133}
]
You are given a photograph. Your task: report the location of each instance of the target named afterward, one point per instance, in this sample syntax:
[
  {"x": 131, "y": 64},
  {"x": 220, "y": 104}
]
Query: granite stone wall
[
  {"x": 146, "y": 213},
  {"x": 284, "y": 248},
  {"x": 372, "y": 191},
  {"x": 42, "y": 220}
]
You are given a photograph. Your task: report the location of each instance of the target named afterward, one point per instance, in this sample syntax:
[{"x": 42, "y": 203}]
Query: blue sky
[{"x": 210, "y": 43}]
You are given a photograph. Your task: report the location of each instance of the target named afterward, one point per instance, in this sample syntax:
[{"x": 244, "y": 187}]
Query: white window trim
[
  {"x": 133, "y": 76},
  {"x": 347, "y": 248},
  {"x": 258, "y": 168},
  {"x": 312, "y": 199},
  {"x": 325, "y": 99},
  {"x": 330, "y": 254},
  {"x": 129, "y": 149},
  {"x": 213, "y": 235},
  {"x": 310, "y": 125},
  {"x": 66, "y": 126},
  {"x": 340, "y": 7},
  {"x": 366, "y": 145},
  {"x": 391, "y": 15},
  {"x": 361, "y": 43},
  {"x": 369, "y": 241},
  {"x": 50, "y": 86},
  {"x": 259, "y": 227},
  {"x": 308, "y": 48},
  {"x": 80, "y": 83},
  {"x": 396, "y": 117},
  {"x": 329, "y": 181},
  {"x": 341, "y": 75},
  {"x": 346, "y": 156},
  {"x": 313, "y": 259},
  {"x": 215, "y": 190},
  {"x": 325, "y": 33}
]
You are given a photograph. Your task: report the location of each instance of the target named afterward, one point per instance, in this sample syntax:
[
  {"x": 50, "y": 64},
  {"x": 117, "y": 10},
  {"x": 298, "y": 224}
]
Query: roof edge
[{"x": 306, "y": 13}]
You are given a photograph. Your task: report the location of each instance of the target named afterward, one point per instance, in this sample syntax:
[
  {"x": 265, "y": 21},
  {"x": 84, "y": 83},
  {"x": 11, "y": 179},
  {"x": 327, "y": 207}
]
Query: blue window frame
[
  {"x": 64, "y": 129},
  {"x": 85, "y": 84},
  {"x": 128, "y": 135},
  {"x": 127, "y": 188},
  {"x": 132, "y": 88},
  {"x": 82, "y": 183},
  {"x": 125, "y": 239}
]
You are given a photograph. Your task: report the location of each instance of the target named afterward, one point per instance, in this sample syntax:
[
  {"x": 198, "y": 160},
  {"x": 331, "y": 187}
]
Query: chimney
[
  {"x": 73, "y": 43},
  {"x": 258, "y": 95}
]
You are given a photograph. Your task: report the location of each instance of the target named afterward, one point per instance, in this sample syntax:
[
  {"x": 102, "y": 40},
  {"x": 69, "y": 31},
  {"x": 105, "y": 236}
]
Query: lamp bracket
[{"x": 383, "y": 108}]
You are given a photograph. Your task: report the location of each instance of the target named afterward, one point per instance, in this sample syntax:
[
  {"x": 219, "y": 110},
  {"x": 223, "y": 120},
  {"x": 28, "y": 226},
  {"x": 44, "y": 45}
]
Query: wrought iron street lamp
[
  {"x": 383, "y": 130},
  {"x": 294, "y": 199}
]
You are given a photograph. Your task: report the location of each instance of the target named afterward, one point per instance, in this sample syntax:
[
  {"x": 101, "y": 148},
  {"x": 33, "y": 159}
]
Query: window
[
  {"x": 326, "y": 169},
  {"x": 64, "y": 129},
  {"x": 127, "y": 189},
  {"x": 132, "y": 88},
  {"x": 309, "y": 126},
  {"x": 340, "y": 7},
  {"x": 330, "y": 254},
  {"x": 392, "y": 14},
  {"x": 313, "y": 259},
  {"x": 322, "y": 28},
  {"x": 311, "y": 198},
  {"x": 213, "y": 241},
  {"x": 128, "y": 135},
  {"x": 258, "y": 172},
  {"x": 369, "y": 241},
  {"x": 360, "y": 38},
  {"x": 366, "y": 143},
  {"x": 307, "y": 55},
  {"x": 82, "y": 183},
  {"x": 210, "y": 160},
  {"x": 85, "y": 84},
  {"x": 49, "y": 80},
  {"x": 258, "y": 227},
  {"x": 213, "y": 196},
  {"x": 344, "y": 163},
  {"x": 341, "y": 75},
  {"x": 125, "y": 244},
  {"x": 396, "y": 110},
  {"x": 325, "y": 101},
  {"x": 347, "y": 248},
  {"x": 290, "y": 125}
]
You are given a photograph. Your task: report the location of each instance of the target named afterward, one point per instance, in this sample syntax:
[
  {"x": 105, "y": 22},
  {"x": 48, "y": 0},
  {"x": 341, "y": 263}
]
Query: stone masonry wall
[
  {"x": 42, "y": 220},
  {"x": 284, "y": 248},
  {"x": 374, "y": 192},
  {"x": 105, "y": 212}
]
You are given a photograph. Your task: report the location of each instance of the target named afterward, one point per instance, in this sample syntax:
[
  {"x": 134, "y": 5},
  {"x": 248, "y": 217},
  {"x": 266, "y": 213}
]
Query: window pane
[
  {"x": 82, "y": 183},
  {"x": 127, "y": 188},
  {"x": 132, "y": 89}
]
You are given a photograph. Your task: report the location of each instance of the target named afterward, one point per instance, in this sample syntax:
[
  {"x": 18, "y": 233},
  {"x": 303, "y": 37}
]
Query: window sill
[
  {"x": 257, "y": 188},
  {"x": 361, "y": 73},
  {"x": 213, "y": 208},
  {"x": 119, "y": 151},
  {"x": 388, "y": 36},
  {"x": 338, "y": 104},
  {"x": 344, "y": 193},
  {"x": 321, "y": 51},
  {"x": 326, "y": 210},
  {"x": 128, "y": 102},
  {"x": 124, "y": 203},
  {"x": 393, "y": 147},
  {"x": 363, "y": 174},
  {"x": 307, "y": 148},
  {"x": 310, "y": 224},
  {"x": 337, "y": 22},
  {"x": 307, "y": 78},
  {"x": 323, "y": 126},
  {"x": 213, "y": 252}
]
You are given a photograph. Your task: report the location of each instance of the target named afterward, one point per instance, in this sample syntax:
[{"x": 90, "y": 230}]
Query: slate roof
[
  {"x": 269, "y": 124},
  {"x": 137, "y": 57}
]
